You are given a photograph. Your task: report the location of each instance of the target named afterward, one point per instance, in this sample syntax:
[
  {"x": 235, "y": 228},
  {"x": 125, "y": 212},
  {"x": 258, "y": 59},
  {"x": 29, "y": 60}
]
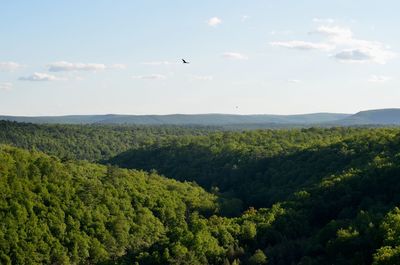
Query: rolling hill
[
  {"x": 380, "y": 116},
  {"x": 369, "y": 117},
  {"x": 182, "y": 119}
]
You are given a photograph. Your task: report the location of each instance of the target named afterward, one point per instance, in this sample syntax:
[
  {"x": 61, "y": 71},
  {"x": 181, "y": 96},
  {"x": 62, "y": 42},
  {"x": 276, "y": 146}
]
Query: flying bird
[{"x": 183, "y": 60}]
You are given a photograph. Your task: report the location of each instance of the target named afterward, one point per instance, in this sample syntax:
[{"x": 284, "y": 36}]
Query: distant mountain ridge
[
  {"x": 370, "y": 117},
  {"x": 182, "y": 119},
  {"x": 380, "y": 116}
]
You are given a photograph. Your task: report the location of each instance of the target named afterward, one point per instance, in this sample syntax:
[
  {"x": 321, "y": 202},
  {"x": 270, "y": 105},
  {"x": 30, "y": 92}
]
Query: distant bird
[{"x": 183, "y": 60}]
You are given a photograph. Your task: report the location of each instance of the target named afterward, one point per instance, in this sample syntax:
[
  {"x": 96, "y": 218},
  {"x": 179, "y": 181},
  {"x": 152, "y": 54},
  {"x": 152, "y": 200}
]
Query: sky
[{"x": 246, "y": 56}]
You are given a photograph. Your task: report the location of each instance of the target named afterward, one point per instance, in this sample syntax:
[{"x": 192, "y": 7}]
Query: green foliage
[
  {"x": 260, "y": 167},
  {"x": 391, "y": 227},
  {"x": 81, "y": 213},
  {"x": 248, "y": 230},
  {"x": 311, "y": 196},
  {"x": 258, "y": 258},
  {"x": 325, "y": 190},
  {"x": 87, "y": 142},
  {"x": 387, "y": 256}
]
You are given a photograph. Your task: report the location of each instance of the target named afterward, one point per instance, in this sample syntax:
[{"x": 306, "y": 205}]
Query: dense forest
[
  {"x": 295, "y": 196},
  {"x": 88, "y": 142}
]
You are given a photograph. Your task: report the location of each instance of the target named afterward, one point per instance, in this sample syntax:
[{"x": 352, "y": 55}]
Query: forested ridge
[
  {"x": 335, "y": 187},
  {"x": 299, "y": 196},
  {"x": 87, "y": 142},
  {"x": 264, "y": 166},
  {"x": 81, "y": 213}
]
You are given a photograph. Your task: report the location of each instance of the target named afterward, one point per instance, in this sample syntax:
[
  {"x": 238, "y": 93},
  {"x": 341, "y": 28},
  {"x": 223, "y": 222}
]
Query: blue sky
[{"x": 255, "y": 56}]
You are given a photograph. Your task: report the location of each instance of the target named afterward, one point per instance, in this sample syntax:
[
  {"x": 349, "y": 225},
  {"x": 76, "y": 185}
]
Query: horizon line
[{"x": 193, "y": 114}]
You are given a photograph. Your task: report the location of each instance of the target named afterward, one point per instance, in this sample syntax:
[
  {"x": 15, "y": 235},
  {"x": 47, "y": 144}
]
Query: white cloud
[
  {"x": 203, "y": 77},
  {"x": 365, "y": 51},
  {"x": 6, "y": 86},
  {"x": 294, "y": 81},
  {"x": 214, "y": 21},
  {"x": 355, "y": 55},
  {"x": 379, "y": 79},
  {"x": 150, "y": 77},
  {"x": 346, "y": 47},
  {"x": 9, "y": 66},
  {"x": 234, "y": 56},
  {"x": 335, "y": 32},
  {"x": 351, "y": 49},
  {"x": 41, "y": 77},
  {"x": 303, "y": 45},
  {"x": 64, "y": 66}
]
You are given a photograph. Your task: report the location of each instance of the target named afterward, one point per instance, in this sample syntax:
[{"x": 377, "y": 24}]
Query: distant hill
[
  {"x": 378, "y": 117},
  {"x": 184, "y": 119},
  {"x": 70, "y": 119},
  {"x": 230, "y": 121}
]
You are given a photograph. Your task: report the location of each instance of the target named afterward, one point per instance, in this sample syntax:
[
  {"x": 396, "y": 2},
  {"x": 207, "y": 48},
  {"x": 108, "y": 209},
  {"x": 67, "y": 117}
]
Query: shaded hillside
[
  {"x": 259, "y": 167},
  {"x": 329, "y": 192}
]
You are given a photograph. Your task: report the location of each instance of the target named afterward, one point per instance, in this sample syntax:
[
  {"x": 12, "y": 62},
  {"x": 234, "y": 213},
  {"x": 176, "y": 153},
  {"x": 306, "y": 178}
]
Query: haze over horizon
[
  {"x": 246, "y": 57},
  {"x": 205, "y": 113}
]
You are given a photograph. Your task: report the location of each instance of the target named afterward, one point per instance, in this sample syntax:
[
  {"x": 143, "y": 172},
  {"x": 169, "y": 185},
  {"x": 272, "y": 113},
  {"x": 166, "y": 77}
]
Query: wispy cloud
[
  {"x": 6, "y": 86},
  {"x": 364, "y": 51},
  {"x": 234, "y": 56},
  {"x": 64, "y": 66},
  {"x": 355, "y": 55},
  {"x": 150, "y": 77},
  {"x": 351, "y": 49},
  {"x": 294, "y": 81},
  {"x": 9, "y": 66},
  {"x": 214, "y": 21},
  {"x": 41, "y": 77},
  {"x": 345, "y": 46},
  {"x": 379, "y": 79},
  {"x": 334, "y": 32},
  {"x": 302, "y": 45}
]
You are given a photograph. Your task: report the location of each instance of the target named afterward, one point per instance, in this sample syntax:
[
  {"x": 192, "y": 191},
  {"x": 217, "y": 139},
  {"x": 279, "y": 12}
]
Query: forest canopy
[{"x": 299, "y": 196}]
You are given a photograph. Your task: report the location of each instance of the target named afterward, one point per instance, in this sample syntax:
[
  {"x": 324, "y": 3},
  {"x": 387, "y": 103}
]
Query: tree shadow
[{"x": 257, "y": 181}]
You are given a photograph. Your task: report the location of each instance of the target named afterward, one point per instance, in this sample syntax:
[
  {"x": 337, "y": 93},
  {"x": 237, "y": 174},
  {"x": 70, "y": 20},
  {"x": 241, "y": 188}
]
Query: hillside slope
[
  {"x": 331, "y": 197},
  {"x": 81, "y": 213},
  {"x": 378, "y": 117},
  {"x": 331, "y": 194},
  {"x": 87, "y": 142}
]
